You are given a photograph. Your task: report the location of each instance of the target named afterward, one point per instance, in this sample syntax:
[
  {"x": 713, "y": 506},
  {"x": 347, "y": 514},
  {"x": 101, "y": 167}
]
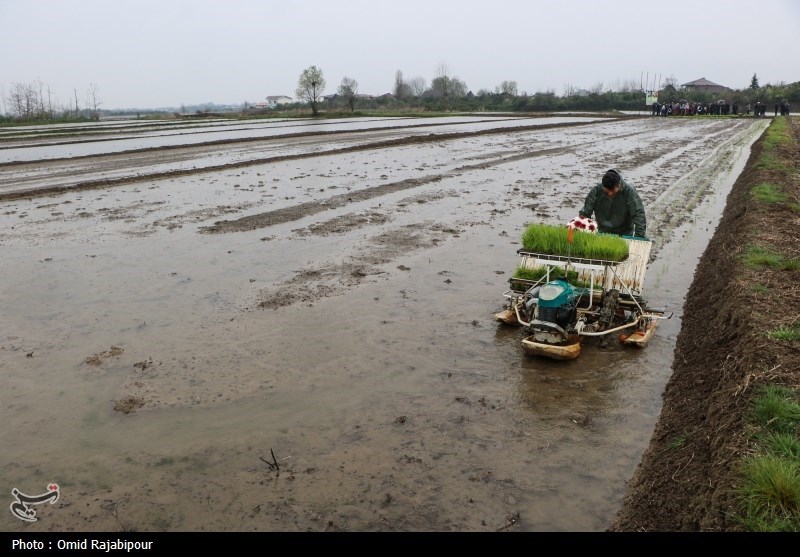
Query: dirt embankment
[{"x": 686, "y": 478}]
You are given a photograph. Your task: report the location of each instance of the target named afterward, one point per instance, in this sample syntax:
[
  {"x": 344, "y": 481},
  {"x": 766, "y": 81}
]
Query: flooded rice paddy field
[{"x": 295, "y": 332}]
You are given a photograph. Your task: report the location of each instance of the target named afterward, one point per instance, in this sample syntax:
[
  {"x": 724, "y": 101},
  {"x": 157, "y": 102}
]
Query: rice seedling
[
  {"x": 553, "y": 240},
  {"x": 540, "y": 273}
]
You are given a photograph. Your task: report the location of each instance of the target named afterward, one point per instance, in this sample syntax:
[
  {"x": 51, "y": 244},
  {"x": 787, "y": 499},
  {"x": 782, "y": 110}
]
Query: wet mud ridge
[{"x": 13, "y": 186}]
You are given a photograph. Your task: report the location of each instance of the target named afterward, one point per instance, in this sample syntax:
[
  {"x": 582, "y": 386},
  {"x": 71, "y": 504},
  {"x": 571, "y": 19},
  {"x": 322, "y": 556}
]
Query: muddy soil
[{"x": 308, "y": 343}]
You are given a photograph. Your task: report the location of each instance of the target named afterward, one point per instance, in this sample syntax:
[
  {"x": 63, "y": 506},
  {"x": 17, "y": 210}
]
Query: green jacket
[{"x": 622, "y": 214}]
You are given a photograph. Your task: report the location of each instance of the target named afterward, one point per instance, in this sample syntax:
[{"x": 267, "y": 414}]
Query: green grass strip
[
  {"x": 769, "y": 485},
  {"x": 769, "y": 193},
  {"x": 787, "y": 332}
]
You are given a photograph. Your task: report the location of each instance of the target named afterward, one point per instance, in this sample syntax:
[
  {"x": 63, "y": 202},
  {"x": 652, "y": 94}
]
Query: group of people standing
[
  {"x": 686, "y": 108},
  {"x": 783, "y": 106},
  {"x": 759, "y": 109},
  {"x": 716, "y": 108}
]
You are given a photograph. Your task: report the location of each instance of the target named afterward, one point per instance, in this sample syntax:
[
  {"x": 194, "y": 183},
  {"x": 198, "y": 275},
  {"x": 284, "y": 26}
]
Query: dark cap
[{"x": 611, "y": 178}]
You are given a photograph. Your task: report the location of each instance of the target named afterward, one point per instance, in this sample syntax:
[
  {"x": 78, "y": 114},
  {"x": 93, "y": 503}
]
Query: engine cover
[{"x": 557, "y": 304}]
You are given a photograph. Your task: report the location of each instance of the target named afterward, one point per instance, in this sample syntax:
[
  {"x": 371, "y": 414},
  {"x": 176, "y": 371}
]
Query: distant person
[
  {"x": 616, "y": 206},
  {"x": 776, "y": 109}
]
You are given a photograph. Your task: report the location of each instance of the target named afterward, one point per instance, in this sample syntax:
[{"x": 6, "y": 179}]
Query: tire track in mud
[
  {"x": 668, "y": 201},
  {"x": 220, "y": 142},
  {"x": 100, "y": 139},
  {"x": 296, "y": 212},
  {"x": 123, "y": 158},
  {"x": 679, "y": 200},
  {"x": 310, "y": 284}
]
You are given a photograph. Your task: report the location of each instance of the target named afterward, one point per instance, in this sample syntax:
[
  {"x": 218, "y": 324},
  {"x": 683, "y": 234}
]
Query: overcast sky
[{"x": 168, "y": 53}]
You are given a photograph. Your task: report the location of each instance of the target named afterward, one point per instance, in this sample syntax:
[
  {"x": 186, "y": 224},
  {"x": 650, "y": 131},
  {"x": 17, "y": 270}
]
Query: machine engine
[
  {"x": 557, "y": 304},
  {"x": 556, "y": 313}
]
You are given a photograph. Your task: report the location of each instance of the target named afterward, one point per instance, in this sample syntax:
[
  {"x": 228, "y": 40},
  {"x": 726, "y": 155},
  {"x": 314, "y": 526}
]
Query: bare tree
[
  {"x": 29, "y": 101},
  {"x": 401, "y": 89},
  {"x": 507, "y": 88},
  {"x": 93, "y": 100},
  {"x": 39, "y": 96},
  {"x": 14, "y": 100},
  {"x": 597, "y": 89},
  {"x": 444, "y": 86},
  {"x": 417, "y": 86},
  {"x": 347, "y": 90},
  {"x": 625, "y": 86},
  {"x": 457, "y": 88},
  {"x": 23, "y": 101},
  {"x": 569, "y": 90},
  {"x": 398, "y": 84},
  {"x": 441, "y": 83},
  {"x": 50, "y": 111},
  {"x": 310, "y": 87},
  {"x": 629, "y": 86}
]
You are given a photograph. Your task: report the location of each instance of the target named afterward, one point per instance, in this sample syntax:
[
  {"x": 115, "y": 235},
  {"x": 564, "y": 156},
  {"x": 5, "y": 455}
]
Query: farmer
[{"x": 617, "y": 207}]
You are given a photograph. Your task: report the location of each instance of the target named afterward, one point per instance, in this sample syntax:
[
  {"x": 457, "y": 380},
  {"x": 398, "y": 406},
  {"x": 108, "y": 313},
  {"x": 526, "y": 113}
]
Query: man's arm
[
  {"x": 638, "y": 216},
  {"x": 588, "y": 204}
]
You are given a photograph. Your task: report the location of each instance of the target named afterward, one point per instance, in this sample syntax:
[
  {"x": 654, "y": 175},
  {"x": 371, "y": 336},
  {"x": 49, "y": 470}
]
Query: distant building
[
  {"x": 275, "y": 100},
  {"x": 703, "y": 85}
]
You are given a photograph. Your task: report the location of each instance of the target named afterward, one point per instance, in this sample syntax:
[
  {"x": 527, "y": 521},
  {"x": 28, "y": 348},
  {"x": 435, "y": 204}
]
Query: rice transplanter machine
[{"x": 578, "y": 298}]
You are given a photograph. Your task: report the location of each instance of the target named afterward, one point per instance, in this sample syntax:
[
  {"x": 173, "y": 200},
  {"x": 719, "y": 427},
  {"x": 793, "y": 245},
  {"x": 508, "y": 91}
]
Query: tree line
[
  {"x": 449, "y": 93},
  {"x": 444, "y": 86},
  {"x": 35, "y": 102}
]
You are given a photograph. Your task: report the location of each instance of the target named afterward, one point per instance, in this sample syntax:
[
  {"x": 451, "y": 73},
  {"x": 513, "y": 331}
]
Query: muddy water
[{"x": 331, "y": 361}]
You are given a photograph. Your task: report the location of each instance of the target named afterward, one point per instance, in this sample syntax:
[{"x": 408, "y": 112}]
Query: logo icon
[{"x": 21, "y": 508}]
